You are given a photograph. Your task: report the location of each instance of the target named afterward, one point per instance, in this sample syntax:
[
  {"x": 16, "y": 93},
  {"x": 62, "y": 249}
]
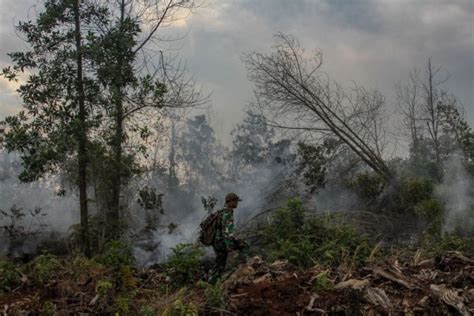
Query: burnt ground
[{"x": 438, "y": 286}]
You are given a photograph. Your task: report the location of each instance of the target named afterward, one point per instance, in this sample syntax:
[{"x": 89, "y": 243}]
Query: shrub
[
  {"x": 103, "y": 288},
  {"x": 322, "y": 282},
  {"x": 447, "y": 242},
  {"x": 215, "y": 295},
  {"x": 9, "y": 276},
  {"x": 308, "y": 240},
  {"x": 123, "y": 303},
  {"x": 81, "y": 267},
  {"x": 49, "y": 309},
  {"x": 431, "y": 210},
  {"x": 43, "y": 268},
  {"x": 117, "y": 254},
  {"x": 181, "y": 308},
  {"x": 184, "y": 264},
  {"x": 414, "y": 191},
  {"x": 368, "y": 187},
  {"x": 147, "y": 311}
]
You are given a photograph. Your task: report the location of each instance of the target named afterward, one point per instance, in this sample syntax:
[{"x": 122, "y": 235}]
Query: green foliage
[
  {"x": 43, "y": 267},
  {"x": 416, "y": 197},
  {"x": 215, "y": 295},
  {"x": 431, "y": 210},
  {"x": 414, "y": 191},
  {"x": 309, "y": 240},
  {"x": 117, "y": 254},
  {"x": 312, "y": 165},
  {"x": 322, "y": 282},
  {"x": 455, "y": 125},
  {"x": 184, "y": 264},
  {"x": 9, "y": 276},
  {"x": 368, "y": 186},
  {"x": 147, "y": 310},
  {"x": 127, "y": 280},
  {"x": 103, "y": 288},
  {"x": 181, "y": 308},
  {"x": 434, "y": 246},
  {"x": 81, "y": 266},
  {"x": 49, "y": 309},
  {"x": 123, "y": 303},
  {"x": 251, "y": 140}
]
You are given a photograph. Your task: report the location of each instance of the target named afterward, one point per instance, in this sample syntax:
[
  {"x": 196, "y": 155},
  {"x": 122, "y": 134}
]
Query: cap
[{"x": 232, "y": 197}]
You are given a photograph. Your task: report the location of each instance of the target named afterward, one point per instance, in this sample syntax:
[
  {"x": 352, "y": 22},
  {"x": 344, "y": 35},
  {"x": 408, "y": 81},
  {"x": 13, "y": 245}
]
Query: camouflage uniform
[{"x": 226, "y": 241}]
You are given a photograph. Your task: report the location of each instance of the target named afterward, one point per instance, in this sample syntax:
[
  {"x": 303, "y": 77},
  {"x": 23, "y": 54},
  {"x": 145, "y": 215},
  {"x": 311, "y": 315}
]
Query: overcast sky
[{"x": 375, "y": 43}]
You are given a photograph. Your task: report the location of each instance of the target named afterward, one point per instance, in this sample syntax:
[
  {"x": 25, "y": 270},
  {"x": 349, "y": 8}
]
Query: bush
[
  {"x": 308, "y": 240},
  {"x": 49, "y": 309},
  {"x": 181, "y": 308},
  {"x": 147, "y": 311},
  {"x": 368, "y": 187},
  {"x": 414, "y": 191},
  {"x": 184, "y": 264},
  {"x": 9, "y": 276},
  {"x": 117, "y": 254},
  {"x": 81, "y": 267},
  {"x": 447, "y": 242},
  {"x": 431, "y": 210},
  {"x": 322, "y": 282},
  {"x": 215, "y": 295},
  {"x": 43, "y": 268}
]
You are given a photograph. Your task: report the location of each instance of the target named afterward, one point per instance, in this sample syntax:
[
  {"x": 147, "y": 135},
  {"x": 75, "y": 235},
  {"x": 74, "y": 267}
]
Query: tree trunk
[
  {"x": 81, "y": 138},
  {"x": 113, "y": 218}
]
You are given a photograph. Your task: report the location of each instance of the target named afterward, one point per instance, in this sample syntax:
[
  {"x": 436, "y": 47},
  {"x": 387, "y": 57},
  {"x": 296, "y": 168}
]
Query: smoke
[
  {"x": 457, "y": 193},
  {"x": 57, "y": 214}
]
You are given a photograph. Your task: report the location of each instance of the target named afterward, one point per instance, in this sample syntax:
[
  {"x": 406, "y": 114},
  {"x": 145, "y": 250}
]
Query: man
[{"x": 225, "y": 240}]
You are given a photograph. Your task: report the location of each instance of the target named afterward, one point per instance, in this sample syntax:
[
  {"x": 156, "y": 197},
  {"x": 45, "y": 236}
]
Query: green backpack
[{"x": 209, "y": 228}]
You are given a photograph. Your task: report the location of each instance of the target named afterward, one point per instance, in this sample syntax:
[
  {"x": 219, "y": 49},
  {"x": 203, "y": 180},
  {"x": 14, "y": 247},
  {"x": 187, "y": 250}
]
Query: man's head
[{"x": 232, "y": 200}]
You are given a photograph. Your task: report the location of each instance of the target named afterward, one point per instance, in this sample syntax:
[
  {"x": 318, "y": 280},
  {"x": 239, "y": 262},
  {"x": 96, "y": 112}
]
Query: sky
[{"x": 374, "y": 43}]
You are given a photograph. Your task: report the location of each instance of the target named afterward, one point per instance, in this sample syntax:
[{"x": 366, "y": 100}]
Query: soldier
[{"x": 225, "y": 240}]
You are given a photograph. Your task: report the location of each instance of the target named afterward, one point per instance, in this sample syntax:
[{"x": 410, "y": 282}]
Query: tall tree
[
  {"x": 53, "y": 126},
  {"x": 136, "y": 82}
]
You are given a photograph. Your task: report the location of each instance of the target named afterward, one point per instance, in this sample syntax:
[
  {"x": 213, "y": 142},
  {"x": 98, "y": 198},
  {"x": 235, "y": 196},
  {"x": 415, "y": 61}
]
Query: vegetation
[
  {"x": 9, "y": 276},
  {"x": 104, "y": 121},
  {"x": 43, "y": 268},
  {"x": 306, "y": 240},
  {"x": 184, "y": 264}
]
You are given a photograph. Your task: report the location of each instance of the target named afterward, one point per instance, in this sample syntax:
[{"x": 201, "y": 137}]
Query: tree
[
  {"x": 455, "y": 126},
  {"x": 134, "y": 85},
  {"x": 421, "y": 101},
  {"x": 293, "y": 92},
  {"x": 198, "y": 153},
  {"x": 251, "y": 142},
  {"x": 58, "y": 96}
]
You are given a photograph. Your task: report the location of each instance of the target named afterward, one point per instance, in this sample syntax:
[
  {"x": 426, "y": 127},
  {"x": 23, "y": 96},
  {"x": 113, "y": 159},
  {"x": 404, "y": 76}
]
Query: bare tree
[
  {"x": 292, "y": 91},
  {"x": 409, "y": 103},
  {"x": 420, "y": 101},
  {"x": 431, "y": 106}
]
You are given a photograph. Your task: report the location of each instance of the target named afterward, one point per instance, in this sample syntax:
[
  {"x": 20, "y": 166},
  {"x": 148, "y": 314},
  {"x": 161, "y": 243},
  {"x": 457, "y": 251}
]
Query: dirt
[
  {"x": 437, "y": 287},
  {"x": 440, "y": 286}
]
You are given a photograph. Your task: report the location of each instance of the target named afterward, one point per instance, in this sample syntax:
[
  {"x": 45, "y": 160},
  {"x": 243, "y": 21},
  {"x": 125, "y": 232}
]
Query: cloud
[{"x": 375, "y": 43}]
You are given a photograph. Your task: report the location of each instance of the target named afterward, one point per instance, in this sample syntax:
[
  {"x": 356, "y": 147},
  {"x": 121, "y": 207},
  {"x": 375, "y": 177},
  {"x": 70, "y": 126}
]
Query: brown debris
[{"x": 419, "y": 287}]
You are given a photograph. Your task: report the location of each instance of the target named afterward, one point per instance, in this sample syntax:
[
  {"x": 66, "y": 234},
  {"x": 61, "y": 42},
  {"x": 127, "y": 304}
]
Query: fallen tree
[{"x": 293, "y": 93}]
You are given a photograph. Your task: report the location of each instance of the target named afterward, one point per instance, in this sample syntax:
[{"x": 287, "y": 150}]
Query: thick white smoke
[
  {"x": 457, "y": 193},
  {"x": 60, "y": 211}
]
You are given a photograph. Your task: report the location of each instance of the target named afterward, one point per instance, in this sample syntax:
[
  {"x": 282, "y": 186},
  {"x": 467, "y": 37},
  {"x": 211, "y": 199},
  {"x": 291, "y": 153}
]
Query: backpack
[{"x": 209, "y": 228}]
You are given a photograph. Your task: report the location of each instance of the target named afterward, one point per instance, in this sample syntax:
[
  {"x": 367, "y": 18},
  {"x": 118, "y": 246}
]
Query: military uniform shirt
[{"x": 226, "y": 234}]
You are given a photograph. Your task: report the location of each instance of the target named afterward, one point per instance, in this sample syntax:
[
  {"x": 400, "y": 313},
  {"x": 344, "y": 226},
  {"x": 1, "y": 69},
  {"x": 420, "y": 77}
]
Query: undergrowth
[
  {"x": 306, "y": 240},
  {"x": 184, "y": 265}
]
